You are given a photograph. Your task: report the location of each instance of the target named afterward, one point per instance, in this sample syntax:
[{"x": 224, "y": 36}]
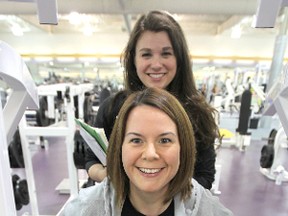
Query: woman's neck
[{"x": 148, "y": 204}]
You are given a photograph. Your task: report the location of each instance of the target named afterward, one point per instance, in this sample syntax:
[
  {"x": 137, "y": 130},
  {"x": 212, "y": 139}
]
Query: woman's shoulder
[
  {"x": 206, "y": 203},
  {"x": 116, "y": 98},
  {"x": 95, "y": 192},
  {"x": 89, "y": 200},
  {"x": 201, "y": 203}
]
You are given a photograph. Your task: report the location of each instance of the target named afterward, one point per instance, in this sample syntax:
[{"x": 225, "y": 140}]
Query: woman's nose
[
  {"x": 156, "y": 63},
  {"x": 150, "y": 152}
]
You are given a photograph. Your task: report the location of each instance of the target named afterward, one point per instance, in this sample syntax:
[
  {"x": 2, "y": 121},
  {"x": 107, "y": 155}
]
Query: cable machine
[
  {"x": 275, "y": 152},
  {"x": 15, "y": 73}
]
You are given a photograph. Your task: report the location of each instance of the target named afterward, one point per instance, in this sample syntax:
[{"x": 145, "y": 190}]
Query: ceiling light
[
  {"x": 236, "y": 32},
  {"x": 108, "y": 60},
  {"x": 43, "y": 59},
  {"x": 87, "y": 59},
  {"x": 88, "y": 30},
  {"x": 65, "y": 59},
  {"x": 222, "y": 61},
  {"x": 209, "y": 68},
  {"x": 200, "y": 61},
  {"x": 245, "y": 62},
  {"x": 16, "y": 30},
  {"x": 17, "y": 25},
  {"x": 74, "y": 18}
]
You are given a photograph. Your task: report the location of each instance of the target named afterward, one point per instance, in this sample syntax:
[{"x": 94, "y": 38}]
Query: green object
[{"x": 92, "y": 131}]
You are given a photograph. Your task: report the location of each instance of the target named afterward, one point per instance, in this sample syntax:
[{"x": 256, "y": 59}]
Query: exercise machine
[
  {"x": 14, "y": 72},
  {"x": 24, "y": 94},
  {"x": 242, "y": 137},
  {"x": 274, "y": 153}
]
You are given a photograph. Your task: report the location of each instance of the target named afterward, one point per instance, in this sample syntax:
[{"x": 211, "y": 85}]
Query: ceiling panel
[{"x": 207, "y": 25}]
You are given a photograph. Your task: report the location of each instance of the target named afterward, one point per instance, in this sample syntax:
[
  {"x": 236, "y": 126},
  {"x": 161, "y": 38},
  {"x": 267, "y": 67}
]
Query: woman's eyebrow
[
  {"x": 162, "y": 134},
  {"x": 133, "y": 134},
  {"x": 167, "y": 48},
  {"x": 144, "y": 50}
]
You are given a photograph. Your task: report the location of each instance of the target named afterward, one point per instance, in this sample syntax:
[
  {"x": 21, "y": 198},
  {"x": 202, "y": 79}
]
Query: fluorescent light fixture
[
  {"x": 222, "y": 61},
  {"x": 87, "y": 59},
  {"x": 209, "y": 68},
  {"x": 43, "y": 59},
  {"x": 17, "y": 25},
  {"x": 200, "y": 61},
  {"x": 16, "y": 30},
  {"x": 108, "y": 60},
  {"x": 66, "y": 59},
  {"x": 236, "y": 32},
  {"x": 88, "y": 30},
  {"x": 245, "y": 62},
  {"x": 74, "y": 18}
]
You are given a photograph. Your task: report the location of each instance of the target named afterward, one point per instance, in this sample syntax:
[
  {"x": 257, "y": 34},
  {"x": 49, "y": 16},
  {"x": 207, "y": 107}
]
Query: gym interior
[{"x": 58, "y": 60}]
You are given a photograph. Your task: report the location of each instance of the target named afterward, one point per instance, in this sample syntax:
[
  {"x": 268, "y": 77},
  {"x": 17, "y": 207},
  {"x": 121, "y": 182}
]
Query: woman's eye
[
  {"x": 135, "y": 140},
  {"x": 166, "y": 53},
  {"x": 146, "y": 54},
  {"x": 165, "y": 140}
]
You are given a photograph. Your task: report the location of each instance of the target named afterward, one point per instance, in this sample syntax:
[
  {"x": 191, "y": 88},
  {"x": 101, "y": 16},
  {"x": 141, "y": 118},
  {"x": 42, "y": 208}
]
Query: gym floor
[{"x": 243, "y": 188}]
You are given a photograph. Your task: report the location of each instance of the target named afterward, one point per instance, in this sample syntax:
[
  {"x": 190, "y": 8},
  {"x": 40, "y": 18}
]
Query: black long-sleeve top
[{"x": 204, "y": 171}]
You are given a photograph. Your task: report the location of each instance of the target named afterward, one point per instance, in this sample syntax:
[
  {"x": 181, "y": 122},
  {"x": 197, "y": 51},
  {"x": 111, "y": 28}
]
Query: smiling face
[
  {"x": 150, "y": 150},
  {"x": 155, "y": 61}
]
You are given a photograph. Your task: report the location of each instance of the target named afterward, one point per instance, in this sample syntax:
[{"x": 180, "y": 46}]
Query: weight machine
[
  {"x": 241, "y": 140},
  {"x": 54, "y": 117},
  {"x": 242, "y": 137},
  {"x": 61, "y": 124},
  {"x": 274, "y": 153},
  {"x": 25, "y": 94},
  {"x": 15, "y": 73}
]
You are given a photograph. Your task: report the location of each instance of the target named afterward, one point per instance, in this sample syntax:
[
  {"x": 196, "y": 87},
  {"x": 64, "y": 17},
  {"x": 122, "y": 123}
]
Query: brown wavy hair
[
  {"x": 166, "y": 102},
  {"x": 183, "y": 85}
]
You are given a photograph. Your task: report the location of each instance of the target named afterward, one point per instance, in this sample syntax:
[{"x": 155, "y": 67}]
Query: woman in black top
[{"x": 157, "y": 55}]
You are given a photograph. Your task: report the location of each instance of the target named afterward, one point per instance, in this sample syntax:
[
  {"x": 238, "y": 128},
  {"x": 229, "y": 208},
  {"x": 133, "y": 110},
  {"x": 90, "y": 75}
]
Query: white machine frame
[
  {"x": 61, "y": 128},
  {"x": 15, "y": 73},
  {"x": 25, "y": 95},
  {"x": 277, "y": 172}
]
